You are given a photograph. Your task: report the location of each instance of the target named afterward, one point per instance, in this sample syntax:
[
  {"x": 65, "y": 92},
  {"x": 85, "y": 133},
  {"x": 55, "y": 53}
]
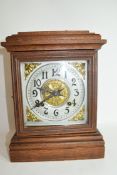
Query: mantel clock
[{"x": 54, "y": 77}]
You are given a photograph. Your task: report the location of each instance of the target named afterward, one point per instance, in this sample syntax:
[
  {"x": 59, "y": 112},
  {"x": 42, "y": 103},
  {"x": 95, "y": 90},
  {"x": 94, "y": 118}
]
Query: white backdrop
[{"x": 98, "y": 16}]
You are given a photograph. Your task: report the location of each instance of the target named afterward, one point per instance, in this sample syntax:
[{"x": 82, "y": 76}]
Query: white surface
[{"x": 98, "y": 16}]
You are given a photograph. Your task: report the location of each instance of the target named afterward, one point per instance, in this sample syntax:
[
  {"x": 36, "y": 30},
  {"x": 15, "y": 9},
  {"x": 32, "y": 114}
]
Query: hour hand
[
  {"x": 59, "y": 92},
  {"x": 44, "y": 90}
]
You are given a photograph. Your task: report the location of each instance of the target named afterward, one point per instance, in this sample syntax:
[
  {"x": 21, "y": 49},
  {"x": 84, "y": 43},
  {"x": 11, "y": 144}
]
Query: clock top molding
[{"x": 53, "y": 40}]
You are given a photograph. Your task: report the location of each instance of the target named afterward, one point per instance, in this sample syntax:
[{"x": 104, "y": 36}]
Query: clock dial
[{"x": 55, "y": 93}]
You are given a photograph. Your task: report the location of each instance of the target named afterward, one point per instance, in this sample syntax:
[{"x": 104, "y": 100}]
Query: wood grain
[
  {"x": 53, "y": 40},
  {"x": 82, "y": 146}
]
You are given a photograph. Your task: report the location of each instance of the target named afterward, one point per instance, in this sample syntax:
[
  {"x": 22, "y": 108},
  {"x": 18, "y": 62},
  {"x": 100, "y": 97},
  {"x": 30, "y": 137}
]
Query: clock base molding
[{"x": 65, "y": 147}]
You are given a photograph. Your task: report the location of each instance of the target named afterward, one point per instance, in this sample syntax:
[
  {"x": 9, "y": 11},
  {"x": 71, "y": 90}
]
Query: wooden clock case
[{"x": 42, "y": 143}]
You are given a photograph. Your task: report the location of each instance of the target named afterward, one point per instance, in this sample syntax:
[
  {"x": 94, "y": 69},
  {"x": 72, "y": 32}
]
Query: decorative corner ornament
[{"x": 29, "y": 68}]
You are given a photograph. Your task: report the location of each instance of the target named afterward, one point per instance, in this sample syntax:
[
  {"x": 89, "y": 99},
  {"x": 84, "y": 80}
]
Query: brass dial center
[{"x": 55, "y": 91}]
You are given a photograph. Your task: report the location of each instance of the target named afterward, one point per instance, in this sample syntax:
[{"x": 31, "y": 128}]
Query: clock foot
[{"x": 66, "y": 147}]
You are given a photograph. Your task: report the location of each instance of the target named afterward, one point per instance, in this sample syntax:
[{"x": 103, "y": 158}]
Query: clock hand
[
  {"x": 52, "y": 94},
  {"x": 40, "y": 103},
  {"x": 60, "y": 90},
  {"x": 57, "y": 93},
  {"x": 44, "y": 89},
  {"x": 47, "y": 98}
]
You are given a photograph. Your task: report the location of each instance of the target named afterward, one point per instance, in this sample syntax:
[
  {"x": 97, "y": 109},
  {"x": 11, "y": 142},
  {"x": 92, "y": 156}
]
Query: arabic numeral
[
  {"x": 35, "y": 93},
  {"x": 56, "y": 112},
  {"x": 67, "y": 110},
  {"x": 73, "y": 82},
  {"x": 76, "y": 92},
  {"x": 37, "y": 83},
  {"x": 74, "y": 102},
  {"x": 37, "y": 103},
  {"x": 46, "y": 110},
  {"x": 44, "y": 75}
]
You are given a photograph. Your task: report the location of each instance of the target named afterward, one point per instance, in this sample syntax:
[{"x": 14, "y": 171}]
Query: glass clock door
[{"x": 54, "y": 92}]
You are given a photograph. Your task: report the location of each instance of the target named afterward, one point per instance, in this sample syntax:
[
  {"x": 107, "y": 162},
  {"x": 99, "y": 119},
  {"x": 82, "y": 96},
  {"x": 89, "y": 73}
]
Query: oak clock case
[{"x": 54, "y": 77}]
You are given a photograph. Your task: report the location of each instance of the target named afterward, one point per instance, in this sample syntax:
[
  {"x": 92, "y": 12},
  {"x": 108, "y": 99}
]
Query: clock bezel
[{"x": 88, "y": 55}]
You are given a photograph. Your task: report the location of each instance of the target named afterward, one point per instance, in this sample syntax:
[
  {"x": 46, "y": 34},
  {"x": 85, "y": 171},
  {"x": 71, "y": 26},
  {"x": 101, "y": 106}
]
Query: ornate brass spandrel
[
  {"x": 31, "y": 117},
  {"x": 80, "y": 115},
  {"x": 29, "y": 67},
  {"x": 81, "y": 68}
]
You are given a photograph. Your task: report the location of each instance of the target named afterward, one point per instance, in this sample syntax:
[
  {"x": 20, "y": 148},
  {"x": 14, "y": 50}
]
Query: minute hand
[
  {"x": 47, "y": 98},
  {"x": 53, "y": 94},
  {"x": 40, "y": 103}
]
